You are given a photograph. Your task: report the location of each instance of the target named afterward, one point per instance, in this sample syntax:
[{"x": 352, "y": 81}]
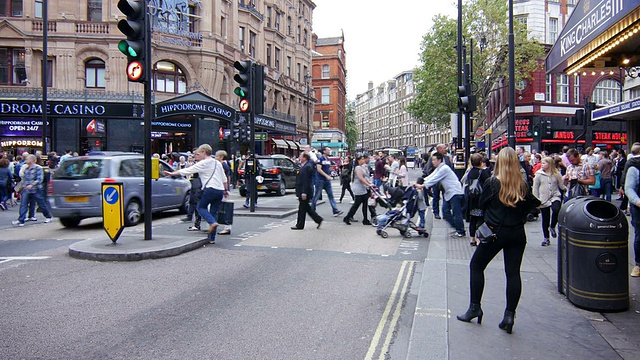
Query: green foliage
[
  {"x": 484, "y": 21},
  {"x": 351, "y": 128}
]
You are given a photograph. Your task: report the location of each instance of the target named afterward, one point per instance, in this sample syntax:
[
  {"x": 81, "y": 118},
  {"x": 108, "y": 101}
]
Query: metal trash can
[{"x": 593, "y": 254}]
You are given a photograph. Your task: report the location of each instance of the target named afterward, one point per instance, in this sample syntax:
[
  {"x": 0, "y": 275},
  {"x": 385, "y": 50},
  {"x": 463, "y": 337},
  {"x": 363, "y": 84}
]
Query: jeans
[
  {"x": 605, "y": 188},
  {"x": 454, "y": 205},
  {"x": 635, "y": 221},
  {"x": 37, "y": 198},
  {"x": 377, "y": 182},
  {"x": 326, "y": 185},
  {"x": 436, "y": 200},
  {"x": 211, "y": 198},
  {"x": 512, "y": 241},
  {"x": 549, "y": 213},
  {"x": 421, "y": 223}
]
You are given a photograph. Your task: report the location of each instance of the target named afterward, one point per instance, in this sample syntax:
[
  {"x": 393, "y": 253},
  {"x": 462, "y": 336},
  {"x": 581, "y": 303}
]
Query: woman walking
[
  {"x": 360, "y": 186},
  {"x": 548, "y": 187},
  {"x": 402, "y": 173},
  {"x": 506, "y": 201},
  {"x": 345, "y": 178},
  {"x": 214, "y": 180},
  {"x": 472, "y": 210}
]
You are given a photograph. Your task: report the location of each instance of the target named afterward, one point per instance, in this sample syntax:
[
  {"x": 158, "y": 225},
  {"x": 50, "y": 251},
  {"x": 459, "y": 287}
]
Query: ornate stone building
[{"x": 195, "y": 44}]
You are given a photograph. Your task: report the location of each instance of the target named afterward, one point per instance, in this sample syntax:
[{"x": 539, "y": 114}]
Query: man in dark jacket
[{"x": 304, "y": 192}]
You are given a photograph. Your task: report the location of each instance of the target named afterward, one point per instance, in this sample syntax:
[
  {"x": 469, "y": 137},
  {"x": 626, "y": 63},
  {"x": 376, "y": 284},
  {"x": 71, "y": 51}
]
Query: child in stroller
[
  {"x": 386, "y": 197},
  {"x": 400, "y": 216}
]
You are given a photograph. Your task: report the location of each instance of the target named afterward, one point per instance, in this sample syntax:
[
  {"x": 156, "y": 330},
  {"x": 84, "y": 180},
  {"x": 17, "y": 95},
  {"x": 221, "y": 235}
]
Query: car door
[
  {"x": 131, "y": 174},
  {"x": 289, "y": 172},
  {"x": 167, "y": 189}
]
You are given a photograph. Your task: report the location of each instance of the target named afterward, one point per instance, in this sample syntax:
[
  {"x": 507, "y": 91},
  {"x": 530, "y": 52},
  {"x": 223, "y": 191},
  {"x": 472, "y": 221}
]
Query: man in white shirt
[{"x": 453, "y": 194}]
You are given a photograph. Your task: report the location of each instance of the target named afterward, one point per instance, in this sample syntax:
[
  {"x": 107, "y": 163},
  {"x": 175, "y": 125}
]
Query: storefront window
[
  {"x": 607, "y": 92},
  {"x": 94, "y": 74},
  {"x": 168, "y": 77}
]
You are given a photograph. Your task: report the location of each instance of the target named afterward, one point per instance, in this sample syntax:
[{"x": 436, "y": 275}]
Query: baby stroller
[
  {"x": 400, "y": 217},
  {"x": 386, "y": 199}
]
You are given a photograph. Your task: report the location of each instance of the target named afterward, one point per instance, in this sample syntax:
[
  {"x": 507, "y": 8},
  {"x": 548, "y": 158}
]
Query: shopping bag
[{"x": 225, "y": 213}]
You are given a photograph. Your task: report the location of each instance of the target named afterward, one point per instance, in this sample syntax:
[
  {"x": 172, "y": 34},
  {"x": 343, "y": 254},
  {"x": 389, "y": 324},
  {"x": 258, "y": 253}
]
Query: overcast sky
[{"x": 382, "y": 38}]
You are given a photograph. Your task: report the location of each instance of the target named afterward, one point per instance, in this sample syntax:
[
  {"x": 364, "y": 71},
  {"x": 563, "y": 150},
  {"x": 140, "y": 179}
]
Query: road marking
[
  {"x": 397, "y": 298},
  {"x": 4, "y": 259}
]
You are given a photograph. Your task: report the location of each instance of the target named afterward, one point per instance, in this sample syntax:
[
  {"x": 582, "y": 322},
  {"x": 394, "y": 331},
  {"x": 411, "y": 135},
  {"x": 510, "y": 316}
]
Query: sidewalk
[{"x": 547, "y": 325}]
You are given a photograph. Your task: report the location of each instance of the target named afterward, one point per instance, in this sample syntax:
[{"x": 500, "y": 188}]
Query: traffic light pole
[
  {"x": 252, "y": 135},
  {"x": 147, "y": 125}
]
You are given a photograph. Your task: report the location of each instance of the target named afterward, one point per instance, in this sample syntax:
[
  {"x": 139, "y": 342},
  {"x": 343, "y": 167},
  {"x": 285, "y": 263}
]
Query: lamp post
[
  {"x": 307, "y": 79},
  {"x": 511, "y": 125}
]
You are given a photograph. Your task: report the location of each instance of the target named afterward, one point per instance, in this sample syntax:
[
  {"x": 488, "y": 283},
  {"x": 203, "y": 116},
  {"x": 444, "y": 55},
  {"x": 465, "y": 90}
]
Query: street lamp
[{"x": 307, "y": 79}]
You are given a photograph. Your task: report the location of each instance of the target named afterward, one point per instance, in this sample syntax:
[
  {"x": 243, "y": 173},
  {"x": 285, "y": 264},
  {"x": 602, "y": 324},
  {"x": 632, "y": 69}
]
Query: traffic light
[
  {"x": 536, "y": 130},
  {"x": 244, "y": 80},
  {"x": 547, "y": 127},
  {"x": 466, "y": 100},
  {"x": 260, "y": 87},
  {"x": 236, "y": 130},
  {"x": 579, "y": 118},
  {"x": 135, "y": 30}
]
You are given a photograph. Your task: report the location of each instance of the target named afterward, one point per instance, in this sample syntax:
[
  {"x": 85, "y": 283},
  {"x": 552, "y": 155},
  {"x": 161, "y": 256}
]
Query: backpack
[{"x": 474, "y": 187}]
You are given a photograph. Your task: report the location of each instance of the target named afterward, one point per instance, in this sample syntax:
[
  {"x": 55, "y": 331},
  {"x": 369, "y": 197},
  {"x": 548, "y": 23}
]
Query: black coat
[{"x": 304, "y": 181}]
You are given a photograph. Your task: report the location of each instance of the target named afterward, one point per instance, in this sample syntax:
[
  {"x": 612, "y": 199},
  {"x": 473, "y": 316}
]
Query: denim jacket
[{"x": 32, "y": 176}]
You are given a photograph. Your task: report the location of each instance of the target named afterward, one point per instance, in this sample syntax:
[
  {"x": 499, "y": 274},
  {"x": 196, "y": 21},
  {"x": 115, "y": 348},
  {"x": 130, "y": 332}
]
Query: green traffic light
[
  {"x": 239, "y": 91},
  {"x": 125, "y": 47}
]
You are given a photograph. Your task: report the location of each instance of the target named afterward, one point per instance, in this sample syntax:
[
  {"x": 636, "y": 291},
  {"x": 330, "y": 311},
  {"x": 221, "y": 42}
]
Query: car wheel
[
  {"x": 132, "y": 213},
  {"x": 282, "y": 188},
  {"x": 69, "y": 222},
  {"x": 184, "y": 208}
]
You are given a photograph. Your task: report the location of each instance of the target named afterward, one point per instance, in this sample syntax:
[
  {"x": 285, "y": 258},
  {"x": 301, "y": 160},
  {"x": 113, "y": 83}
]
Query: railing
[
  {"x": 35, "y": 93},
  {"x": 280, "y": 116},
  {"x": 92, "y": 27},
  {"x": 37, "y": 25},
  {"x": 251, "y": 9}
]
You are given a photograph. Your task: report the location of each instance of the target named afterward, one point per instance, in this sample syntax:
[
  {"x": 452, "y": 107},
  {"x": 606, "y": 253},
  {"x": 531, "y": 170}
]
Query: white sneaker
[
  {"x": 17, "y": 223},
  {"x": 32, "y": 219},
  {"x": 47, "y": 220}
]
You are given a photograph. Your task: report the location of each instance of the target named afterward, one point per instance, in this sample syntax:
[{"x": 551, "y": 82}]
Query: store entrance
[{"x": 167, "y": 142}]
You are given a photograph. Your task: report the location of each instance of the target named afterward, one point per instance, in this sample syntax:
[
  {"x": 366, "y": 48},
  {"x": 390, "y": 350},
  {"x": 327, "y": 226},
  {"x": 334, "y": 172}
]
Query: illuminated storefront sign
[{"x": 17, "y": 143}]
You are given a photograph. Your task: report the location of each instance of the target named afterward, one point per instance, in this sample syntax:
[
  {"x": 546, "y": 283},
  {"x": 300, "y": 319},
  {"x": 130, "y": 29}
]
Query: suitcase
[{"x": 225, "y": 213}]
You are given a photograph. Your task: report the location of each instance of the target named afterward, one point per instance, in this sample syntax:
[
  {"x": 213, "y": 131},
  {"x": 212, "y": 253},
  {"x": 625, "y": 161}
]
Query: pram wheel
[
  {"x": 407, "y": 234},
  {"x": 425, "y": 234},
  {"x": 384, "y": 234}
]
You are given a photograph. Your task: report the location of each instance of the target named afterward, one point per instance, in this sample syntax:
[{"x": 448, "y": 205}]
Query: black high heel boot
[
  {"x": 473, "y": 312},
  {"x": 507, "y": 321}
]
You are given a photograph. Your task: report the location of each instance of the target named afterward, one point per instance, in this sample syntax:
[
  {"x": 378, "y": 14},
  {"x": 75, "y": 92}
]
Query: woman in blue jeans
[{"x": 214, "y": 183}]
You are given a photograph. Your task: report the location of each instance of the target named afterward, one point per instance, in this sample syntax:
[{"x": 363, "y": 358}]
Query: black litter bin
[{"x": 593, "y": 253}]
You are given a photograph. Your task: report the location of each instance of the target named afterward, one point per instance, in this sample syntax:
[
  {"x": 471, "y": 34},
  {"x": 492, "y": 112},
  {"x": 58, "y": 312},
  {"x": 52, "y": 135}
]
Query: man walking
[
  {"x": 33, "y": 180},
  {"x": 453, "y": 193},
  {"x": 378, "y": 172},
  {"x": 428, "y": 169},
  {"x": 304, "y": 190},
  {"x": 632, "y": 191},
  {"x": 323, "y": 181}
]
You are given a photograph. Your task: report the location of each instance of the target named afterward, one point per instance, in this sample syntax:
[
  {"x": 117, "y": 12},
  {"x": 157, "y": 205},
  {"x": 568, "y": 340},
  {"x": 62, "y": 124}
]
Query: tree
[
  {"x": 350, "y": 128},
  {"x": 484, "y": 21}
]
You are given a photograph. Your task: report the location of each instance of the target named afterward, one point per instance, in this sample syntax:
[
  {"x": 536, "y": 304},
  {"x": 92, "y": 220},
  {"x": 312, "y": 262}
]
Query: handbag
[
  {"x": 485, "y": 234},
  {"x": 576, "y": 190},
  {"x": 225, "y": 213}
]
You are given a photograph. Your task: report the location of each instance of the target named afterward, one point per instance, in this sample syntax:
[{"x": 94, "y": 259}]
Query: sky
[{"x": 381, "y": 38}]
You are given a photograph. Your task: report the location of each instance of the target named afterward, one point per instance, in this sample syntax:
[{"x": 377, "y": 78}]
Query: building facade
[
  {"x": 546, "y": 105},
  {"x": 383, "y": 121},
  {"x": 329, "y": 74},
  {"x": 195, "y": 44}
]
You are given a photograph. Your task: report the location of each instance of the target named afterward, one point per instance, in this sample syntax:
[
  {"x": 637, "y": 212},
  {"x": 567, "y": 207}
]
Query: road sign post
[{"x": 112, "y": 209}]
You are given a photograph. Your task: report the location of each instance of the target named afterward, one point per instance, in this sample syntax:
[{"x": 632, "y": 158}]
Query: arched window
[
  {"x": 94, "y": 74},
  {"x": 607, "y": 92},
  {"x": 169, "y": 78}
]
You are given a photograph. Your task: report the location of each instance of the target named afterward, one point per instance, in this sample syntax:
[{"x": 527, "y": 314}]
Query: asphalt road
[{"x": 240, "y": 299}]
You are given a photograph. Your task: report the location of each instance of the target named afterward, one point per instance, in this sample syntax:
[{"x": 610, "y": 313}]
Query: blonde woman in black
[{"x": 506, "y": 201}]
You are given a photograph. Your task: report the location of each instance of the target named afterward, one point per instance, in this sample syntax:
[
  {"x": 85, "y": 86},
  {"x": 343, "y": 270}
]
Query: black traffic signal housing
[
  {"x": 578, "y": 119},
  {"x": 548, "y": 131},
  {"x": 244, "y": 78},
  {"x": 236, "y": 130},
  {"x": 259, "y": 89},
  {"x": 135, "y": 47},
  {"x": 466, "y": 100},
  {"x": 536, "y": 130}
]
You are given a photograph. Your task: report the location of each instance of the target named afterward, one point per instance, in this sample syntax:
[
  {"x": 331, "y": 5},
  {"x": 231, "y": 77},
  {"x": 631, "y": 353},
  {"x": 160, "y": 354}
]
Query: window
[
  {"x": 576, "y": 89},
  {"x": 547, "y": 96},
  {"x": 277, "y": 59},
  {"x": 553, "y": 30},
  {"x": 94, "y": 73},
  {"x": 325, "y": 71},
  {"x": 289, "y": 66},
  {"x": 298, "y": 70},
  {"x": 223, "y": 27},
  {"x": 326, "y": 97},
  {"x": 252, "y": 44},
  {"x": 607, "y": 92},
  {"x": 562, "y": 89},
  {"x": 304, "y": 39},
  {"x": 10, "y": 7},
  {"x": 289, "y": 25},
  {"x": 522, "y": 19},
  {"x": 12, "y": 69},
  {"x": 298, "y": 34},
  {"x": 268, "y": 54},
  {"x": 94, "y": 11},
  {"x": 37, "y": 9},
  {"x": 305, "y": 71},
  {"x": 325, "y": 119},
  {"x": 49, "y": 73},
  {"x": 278, "y": 17},
  {"x": 169, "y": 78},
  {"x": 269, "y": 10},
  {"x": 241, "y": 38}
]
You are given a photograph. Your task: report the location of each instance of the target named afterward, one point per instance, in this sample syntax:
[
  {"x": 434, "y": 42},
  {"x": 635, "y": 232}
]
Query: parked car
[
  {"x": 74, "y": 191},
  {"x": 276, "y": 173}
]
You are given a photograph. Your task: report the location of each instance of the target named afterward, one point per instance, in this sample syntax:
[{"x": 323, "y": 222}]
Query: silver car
[{"x": 74, "y": 191}]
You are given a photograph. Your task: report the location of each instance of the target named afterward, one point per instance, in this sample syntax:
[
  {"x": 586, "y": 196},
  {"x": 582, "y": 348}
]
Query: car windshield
[
  {"x": 79, "y": 169},
  {"x": 267, "y": 163}
]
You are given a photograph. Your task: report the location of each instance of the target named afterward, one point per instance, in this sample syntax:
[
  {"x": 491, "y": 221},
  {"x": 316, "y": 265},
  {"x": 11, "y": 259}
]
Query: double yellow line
[{"x": 391, "y": 313}]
